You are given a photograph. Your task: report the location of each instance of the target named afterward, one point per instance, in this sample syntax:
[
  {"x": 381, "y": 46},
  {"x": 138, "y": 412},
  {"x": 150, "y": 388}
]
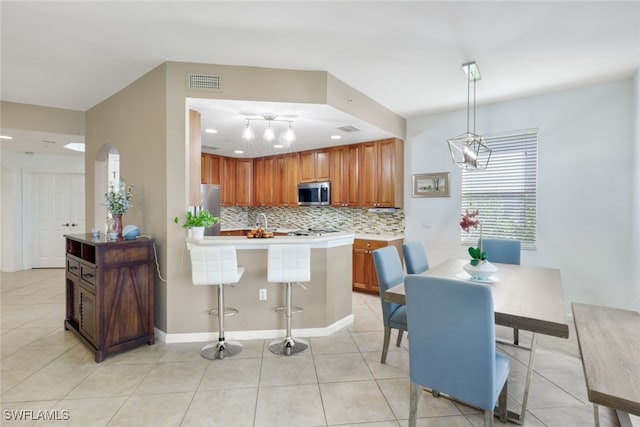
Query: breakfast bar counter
[{"x": 326, "y": 301}]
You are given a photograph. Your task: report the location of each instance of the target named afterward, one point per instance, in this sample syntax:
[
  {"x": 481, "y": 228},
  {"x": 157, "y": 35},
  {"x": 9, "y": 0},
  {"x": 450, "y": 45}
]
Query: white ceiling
[{"x": 405, "y": 55}]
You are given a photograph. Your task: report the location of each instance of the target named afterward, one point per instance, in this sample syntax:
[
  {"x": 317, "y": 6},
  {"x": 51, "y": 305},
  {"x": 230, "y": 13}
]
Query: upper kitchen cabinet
[
  {"x": 210, "y": 169},
  {"x": 227, "y": 178},
  {"x": 291, "y": 162},
  {"x": 263, "y": 180},
  {"x": 314, "y": 166},
  {"x": 236, "y": 181},
  {"x": 381, "y": 180},
  {"x": 344, "y": 175}
]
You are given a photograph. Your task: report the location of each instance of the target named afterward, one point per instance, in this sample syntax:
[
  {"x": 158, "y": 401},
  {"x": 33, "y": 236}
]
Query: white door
[{"x": 57, "y": 208}]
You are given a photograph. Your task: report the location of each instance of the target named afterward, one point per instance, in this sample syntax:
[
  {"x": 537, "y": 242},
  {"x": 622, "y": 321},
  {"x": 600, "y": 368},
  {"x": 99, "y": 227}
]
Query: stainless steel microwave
[{"x": 314, "y": 193}]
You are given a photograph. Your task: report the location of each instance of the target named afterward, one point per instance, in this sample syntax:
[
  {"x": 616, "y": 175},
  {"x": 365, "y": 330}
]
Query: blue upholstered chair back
[
  {"x": 455, "y": 354},
  {"x": 390, "y": 273},
  {"x": 502, "y": 250},
  {"x": 415, "y": 257}
]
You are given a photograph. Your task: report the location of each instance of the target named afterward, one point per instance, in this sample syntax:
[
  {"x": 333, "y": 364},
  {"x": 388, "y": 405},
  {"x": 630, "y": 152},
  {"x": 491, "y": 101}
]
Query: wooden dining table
[
  {"x": 609, "y": 342},
  {"x": 525, "y": 297}
]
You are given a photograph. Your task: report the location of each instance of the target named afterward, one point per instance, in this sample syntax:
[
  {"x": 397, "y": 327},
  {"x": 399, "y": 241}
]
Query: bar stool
[
  {"x": 217, "y": 266},
  {"x": 288, "y": 264}
]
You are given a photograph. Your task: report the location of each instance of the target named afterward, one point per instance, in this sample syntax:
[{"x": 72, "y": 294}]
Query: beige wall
[
  {"x": 42, "y": 119},
  {"x": 134, "y": 121},
  {"x": 147, "y": 122}
]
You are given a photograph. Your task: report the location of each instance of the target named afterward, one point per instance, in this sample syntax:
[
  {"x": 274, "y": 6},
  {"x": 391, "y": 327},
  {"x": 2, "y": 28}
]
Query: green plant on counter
[{"x": 202, "y": 219}]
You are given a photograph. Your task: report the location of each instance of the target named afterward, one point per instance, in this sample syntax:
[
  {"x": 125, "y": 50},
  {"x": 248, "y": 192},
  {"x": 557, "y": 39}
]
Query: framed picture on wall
[{"x": 431, "y": 184}]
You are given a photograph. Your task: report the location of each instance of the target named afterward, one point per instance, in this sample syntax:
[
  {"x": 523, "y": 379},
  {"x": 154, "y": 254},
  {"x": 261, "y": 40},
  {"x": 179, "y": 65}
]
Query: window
[{"x": 505, "y": 193}]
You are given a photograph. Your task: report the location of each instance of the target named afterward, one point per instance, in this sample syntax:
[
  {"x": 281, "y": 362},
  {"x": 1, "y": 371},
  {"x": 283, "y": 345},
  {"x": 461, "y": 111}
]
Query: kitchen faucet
[{"x": 265, "y": 220}]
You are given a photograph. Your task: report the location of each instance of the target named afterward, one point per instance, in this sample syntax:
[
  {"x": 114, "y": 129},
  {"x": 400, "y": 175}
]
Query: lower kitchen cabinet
[
  {"x": 365, "y": 278},
  {"x": 109, "y": 293}
]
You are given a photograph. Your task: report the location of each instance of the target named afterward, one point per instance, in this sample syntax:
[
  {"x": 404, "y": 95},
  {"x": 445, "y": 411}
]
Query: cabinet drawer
[
  {"x": 88, "y": 274},
  {"x": 370, "y": 245},
  {"x": 73, "y": 266}
]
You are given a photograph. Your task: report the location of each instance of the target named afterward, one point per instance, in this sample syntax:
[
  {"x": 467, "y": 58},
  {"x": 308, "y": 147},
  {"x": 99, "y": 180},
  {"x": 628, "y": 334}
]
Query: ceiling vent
[
  {"x": 203, "y": 81},
  {"x": 349, "y": 128},
  {"x": 209, "y": 148}
]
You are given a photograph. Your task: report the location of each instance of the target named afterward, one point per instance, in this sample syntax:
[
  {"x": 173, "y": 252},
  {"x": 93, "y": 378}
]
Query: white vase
[
  {"x": 482, "y": 271},
  {"x": 197, "y": 232}
]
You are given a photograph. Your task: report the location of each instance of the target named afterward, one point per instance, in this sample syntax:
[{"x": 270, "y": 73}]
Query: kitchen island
[{"x": 326, "y": 300}]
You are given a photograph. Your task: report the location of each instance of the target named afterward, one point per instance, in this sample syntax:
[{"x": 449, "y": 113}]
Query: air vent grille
[
  {"x": 203, "y": 81},
  {"x": 349, "y": 128}
]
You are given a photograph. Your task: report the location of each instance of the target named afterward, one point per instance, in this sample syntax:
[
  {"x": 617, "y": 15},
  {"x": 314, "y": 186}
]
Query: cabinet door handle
[
  {"x": 73, "y": 267},
  {"x": 88, "y": 275},
  {"x": 74, "y": 225},
  {"x": 65, "y": 225}
]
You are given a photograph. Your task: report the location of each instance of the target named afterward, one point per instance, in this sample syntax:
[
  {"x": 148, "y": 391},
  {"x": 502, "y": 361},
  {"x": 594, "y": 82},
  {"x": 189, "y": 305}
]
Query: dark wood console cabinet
[{"x": 109, "y": 293}]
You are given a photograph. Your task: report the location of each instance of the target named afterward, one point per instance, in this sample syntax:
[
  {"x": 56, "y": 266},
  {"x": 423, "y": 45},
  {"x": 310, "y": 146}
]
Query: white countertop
[
  {"x": 329, "y": 240},
  {"x": 380, "y": 237},
  {"x": 384, "y": 237}
]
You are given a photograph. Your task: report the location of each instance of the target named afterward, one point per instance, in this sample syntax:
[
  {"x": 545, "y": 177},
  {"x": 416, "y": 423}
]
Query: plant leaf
[{"x": 474, "y": 262}]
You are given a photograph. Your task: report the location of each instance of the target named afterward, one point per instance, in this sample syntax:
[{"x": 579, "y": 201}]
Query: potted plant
[
  {"x": 118, "y": 201},
  {"x": 479, "y": 268},
  {"x": 198, "y": 222}
]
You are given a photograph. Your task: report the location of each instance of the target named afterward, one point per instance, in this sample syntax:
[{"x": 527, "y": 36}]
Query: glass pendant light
[
  {"x": 469, "y": 150},
  {"x": 247, "y": 133},
  {"x": 269, "y": 134}
]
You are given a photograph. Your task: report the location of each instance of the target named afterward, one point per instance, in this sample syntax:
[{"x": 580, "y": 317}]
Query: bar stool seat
[
  {"x": 289, "y": 264},
  {"x": 217, "y": 266}
]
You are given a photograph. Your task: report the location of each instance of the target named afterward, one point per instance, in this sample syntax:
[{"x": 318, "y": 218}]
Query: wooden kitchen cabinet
[
  {"x": 344, "y": 175},
  {"x": 286, "y": 180},
  {"x": 365, "y": 278},
  {"x": 227, "y": 179},
  {"x": 236, "y": 181},
  {"x": 381, "y": 180},
  {"x": 263, "y": 180},
  {"x": 291, "y": 180},
  {"x": 314, "y": 165},
  {"x": 109, "y": 293},
  {"x": 243, "y": 182},
  {"x": 210, "y": 168}
]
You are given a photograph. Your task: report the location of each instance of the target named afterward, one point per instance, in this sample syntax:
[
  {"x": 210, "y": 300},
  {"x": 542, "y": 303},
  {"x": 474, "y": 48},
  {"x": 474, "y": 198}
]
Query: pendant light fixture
[
  {"x": 285, "y": 139},
  {"x": 469, "y": 150}
]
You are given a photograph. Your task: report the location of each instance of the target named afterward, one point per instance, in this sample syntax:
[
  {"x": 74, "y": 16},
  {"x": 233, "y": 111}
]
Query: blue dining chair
[
  {"x": 390, "y": 273},
  {"x": 456, "y": 354},
  {"x": 506, "y": 252},
  {"x": 415, "y": 257}
]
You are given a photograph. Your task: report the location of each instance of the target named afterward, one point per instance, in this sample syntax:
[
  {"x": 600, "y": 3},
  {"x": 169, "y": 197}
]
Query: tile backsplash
[{"x": 321, "y": 217}]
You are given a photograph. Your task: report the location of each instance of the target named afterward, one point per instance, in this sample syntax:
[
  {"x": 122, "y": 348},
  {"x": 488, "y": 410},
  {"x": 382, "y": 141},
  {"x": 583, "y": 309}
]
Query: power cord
[{"x": 155, "y": 256}]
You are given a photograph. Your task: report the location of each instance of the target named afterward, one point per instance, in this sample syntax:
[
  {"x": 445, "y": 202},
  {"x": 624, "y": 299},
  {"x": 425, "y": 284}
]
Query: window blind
[{"x": 505, "y": 193}]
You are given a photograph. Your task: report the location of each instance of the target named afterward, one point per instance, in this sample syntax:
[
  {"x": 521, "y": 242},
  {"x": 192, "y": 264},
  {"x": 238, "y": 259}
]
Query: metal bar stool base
[
  {"x": 220, "y": 350},
  {"x": 288, "y": 347}
]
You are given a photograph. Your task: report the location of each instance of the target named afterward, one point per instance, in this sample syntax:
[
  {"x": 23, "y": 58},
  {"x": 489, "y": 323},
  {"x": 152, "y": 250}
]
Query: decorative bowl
[{"x": 482, "y": 271}]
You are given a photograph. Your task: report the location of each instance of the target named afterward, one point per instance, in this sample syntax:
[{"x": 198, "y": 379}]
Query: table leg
[
  {"x": 519, "y": 418},
  {"x": 596, "y": 415}
]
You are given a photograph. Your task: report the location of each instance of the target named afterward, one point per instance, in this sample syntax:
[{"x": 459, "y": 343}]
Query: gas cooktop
[{"x": 311, "y": 232}]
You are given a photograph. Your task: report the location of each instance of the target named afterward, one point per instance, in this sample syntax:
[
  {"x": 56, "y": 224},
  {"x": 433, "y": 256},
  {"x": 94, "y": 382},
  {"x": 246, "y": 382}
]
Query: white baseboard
[{"x": 252, "y": 335}]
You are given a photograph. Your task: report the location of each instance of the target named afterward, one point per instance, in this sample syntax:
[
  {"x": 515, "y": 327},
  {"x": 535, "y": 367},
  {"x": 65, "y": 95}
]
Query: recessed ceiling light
[
  {"x": 75, "y": 146},
  {"x": 5, "y": 137},
  {"x": 278, "y": 146},
  {"x": 336, "y": 137},
  {"x": 211, "y": 130},
  {"x": 239, "y": 152}
]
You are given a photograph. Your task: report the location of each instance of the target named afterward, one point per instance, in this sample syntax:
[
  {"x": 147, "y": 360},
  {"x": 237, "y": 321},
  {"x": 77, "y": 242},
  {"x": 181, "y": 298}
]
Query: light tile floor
[{"x": 340, "y": 381}]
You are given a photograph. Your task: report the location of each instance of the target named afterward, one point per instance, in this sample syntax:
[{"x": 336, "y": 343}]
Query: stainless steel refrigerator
[{"x": 210, "y": 198}]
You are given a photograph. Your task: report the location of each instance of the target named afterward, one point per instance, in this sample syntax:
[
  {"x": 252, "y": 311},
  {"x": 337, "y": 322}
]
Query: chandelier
[
  {"x": 469, "y": 150},
  {"x": 285, "y": 138}
]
